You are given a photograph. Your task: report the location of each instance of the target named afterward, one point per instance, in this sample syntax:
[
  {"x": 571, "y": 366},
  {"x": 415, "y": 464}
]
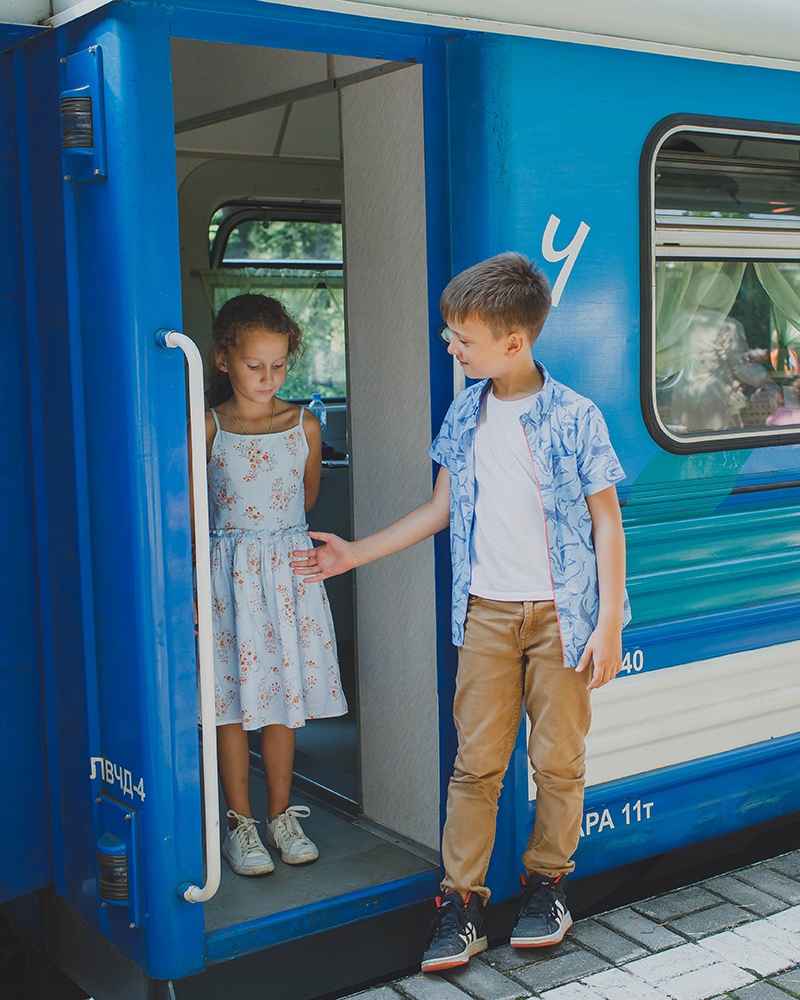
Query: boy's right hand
[{"x": 333, "y": 557}]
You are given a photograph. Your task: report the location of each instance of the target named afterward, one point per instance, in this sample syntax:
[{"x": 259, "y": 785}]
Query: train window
[
  {"x": 292, "y": 252},
  {"x": 721, "y": 302}
]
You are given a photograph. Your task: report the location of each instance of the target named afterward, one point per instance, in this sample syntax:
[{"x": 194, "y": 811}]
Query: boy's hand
[
  {"x": 333, "y": 557},
  {"x": 337, "y": 556},
  {"x": 604, "y": 650}
]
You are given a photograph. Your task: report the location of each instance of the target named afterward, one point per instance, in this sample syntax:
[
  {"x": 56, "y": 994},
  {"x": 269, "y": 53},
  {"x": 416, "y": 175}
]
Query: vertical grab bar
[{"x": 197, "y": 450}]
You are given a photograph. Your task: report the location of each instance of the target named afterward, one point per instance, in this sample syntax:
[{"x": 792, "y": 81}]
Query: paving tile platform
[{"x": 732, "y": 937}]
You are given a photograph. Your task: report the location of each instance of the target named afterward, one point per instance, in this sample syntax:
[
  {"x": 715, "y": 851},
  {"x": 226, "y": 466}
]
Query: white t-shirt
[{"x": 508, "y": 550}]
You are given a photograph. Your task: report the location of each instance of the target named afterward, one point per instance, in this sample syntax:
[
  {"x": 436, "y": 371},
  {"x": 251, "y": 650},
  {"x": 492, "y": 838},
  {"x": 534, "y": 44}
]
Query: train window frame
[
  {"x": 241, "y": 211},
  {"x": 269, "y": 211},
  {"x": 728, "y": 250}
]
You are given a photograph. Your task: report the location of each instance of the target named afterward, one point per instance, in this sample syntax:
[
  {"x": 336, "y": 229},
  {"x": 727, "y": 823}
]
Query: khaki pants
[{"x": 511, "y": 656}]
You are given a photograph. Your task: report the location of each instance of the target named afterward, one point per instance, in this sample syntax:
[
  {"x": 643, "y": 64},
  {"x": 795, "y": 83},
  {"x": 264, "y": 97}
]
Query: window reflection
[
  {"x": 295, "y": 253},
  {"x": 727, "y": 282},
  {"x": 726, "y": 351}
]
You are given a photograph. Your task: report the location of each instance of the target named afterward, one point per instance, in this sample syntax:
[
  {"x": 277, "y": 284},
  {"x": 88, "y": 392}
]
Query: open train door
[
  {"x": 390, "y": 403},
  {"x": 110, "y": 440},
  {"x": 111, "y": 446}
]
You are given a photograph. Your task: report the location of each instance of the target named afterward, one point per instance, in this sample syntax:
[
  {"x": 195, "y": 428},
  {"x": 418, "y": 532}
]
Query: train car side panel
[
  {"x": 25, "y": 856},
  {"x": 546, "y": 139}
]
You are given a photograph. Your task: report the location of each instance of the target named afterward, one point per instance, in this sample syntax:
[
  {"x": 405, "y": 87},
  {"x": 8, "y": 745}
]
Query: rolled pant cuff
[{"x": 479, "y": 890}]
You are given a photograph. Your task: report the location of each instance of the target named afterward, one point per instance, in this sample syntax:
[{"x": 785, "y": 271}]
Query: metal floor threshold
[{"x": 358, "y": 873}]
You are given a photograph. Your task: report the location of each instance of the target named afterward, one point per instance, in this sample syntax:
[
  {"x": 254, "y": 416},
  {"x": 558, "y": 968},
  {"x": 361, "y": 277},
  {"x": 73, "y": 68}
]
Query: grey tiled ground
[
  {"x": 481, "y": 980},
  {"x": 634, "y": 925},
  {"x": 714, "y": 919},
  {"x": 759, "y": 991},
  {"x": 606, "y": 943},
  {"x": 745, "y": 894},
  {"x": 677, "y": 903},
  {"x": 557, "y": 971},
  {"x": 733, "y": 937},
  {"x": 504, "y": 958},
  {"x": 789, "y": 981},
  {"x": 772, "y": 882}
]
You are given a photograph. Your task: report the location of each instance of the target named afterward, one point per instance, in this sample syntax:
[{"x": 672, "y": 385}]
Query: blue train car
[{"x": 157, "y": 159}]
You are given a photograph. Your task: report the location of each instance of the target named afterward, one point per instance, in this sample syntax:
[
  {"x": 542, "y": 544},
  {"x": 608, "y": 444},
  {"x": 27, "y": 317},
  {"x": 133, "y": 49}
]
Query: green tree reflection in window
[{"x": 299, "y": 262}]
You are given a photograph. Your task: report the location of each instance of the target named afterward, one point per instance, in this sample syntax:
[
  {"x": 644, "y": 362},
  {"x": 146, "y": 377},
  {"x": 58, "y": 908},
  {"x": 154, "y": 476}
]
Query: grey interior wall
[{"x": 387, "y": 323}]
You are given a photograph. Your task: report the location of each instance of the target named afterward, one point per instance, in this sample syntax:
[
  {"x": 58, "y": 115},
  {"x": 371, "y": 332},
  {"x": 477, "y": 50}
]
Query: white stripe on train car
[{"x": 663, "y": 717}]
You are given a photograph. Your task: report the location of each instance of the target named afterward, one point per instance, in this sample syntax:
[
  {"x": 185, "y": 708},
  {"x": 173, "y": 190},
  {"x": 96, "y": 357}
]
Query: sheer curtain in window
[
  {"x": 782, "y": 284},
  {"x": 681, "y": 287},
  {"x": 293, "y": 287}
]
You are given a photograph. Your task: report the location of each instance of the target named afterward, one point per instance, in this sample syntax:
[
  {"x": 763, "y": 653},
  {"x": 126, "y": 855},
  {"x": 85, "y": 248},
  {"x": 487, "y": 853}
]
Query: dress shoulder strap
[{"x": 216, "y": 418}]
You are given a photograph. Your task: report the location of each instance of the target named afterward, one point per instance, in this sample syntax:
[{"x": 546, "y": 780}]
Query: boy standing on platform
[{"x": 527, "y": 488}]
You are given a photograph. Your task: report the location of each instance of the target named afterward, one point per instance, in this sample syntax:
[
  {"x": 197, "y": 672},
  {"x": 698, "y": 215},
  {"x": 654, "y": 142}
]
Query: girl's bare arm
[
  {"x": 337, "y": 556},
  {"x": 311, "y": 477},
  {"x": 211, "y": 433}
]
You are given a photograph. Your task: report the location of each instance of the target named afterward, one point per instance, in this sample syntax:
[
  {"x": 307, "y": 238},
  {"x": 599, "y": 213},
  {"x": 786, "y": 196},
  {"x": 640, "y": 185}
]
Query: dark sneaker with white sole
[
  {"x": 543, "y": 914},
  {"x": 456, "y": 932}
]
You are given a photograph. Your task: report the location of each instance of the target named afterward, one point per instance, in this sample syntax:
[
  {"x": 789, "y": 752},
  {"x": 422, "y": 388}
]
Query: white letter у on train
[{"x": 570, "y": 252}]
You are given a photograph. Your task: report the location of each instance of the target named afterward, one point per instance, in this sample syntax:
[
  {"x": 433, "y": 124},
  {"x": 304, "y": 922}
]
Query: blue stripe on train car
[
  {"x": 648, "y": 814},
  {"x": 314, "y": 918},
  {"x": 703, "y": 636}
]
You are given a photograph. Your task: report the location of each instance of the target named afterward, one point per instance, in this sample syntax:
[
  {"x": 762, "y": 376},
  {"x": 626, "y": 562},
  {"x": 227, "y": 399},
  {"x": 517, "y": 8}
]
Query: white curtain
[
  {"x": 293, "y": 287},
  {"x": 782, "y": 284},
  {"x": 682, "y": 287}
]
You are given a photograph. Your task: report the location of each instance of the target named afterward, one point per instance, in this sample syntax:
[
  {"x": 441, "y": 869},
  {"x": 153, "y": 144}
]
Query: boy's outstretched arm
[
  {"x": 337, "y": 556},
  {"x": 604, "y": 647}
]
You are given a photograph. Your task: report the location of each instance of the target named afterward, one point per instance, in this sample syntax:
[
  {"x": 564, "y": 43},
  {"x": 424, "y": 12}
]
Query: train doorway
[
  {"x": 271, "y": 141},
  {"x": 119, "y": 653}
]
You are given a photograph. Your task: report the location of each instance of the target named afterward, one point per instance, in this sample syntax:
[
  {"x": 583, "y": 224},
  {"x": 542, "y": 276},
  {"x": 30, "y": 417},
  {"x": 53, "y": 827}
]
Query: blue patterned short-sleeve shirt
[{"x": 573, "y": 458}]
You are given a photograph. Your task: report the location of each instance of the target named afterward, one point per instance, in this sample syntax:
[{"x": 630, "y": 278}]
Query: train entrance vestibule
[{"x": 301, "y": 176}]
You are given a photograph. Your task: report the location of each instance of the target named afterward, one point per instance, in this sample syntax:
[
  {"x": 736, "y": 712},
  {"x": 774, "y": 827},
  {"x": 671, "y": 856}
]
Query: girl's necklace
[{"x": 238, "y": 421}]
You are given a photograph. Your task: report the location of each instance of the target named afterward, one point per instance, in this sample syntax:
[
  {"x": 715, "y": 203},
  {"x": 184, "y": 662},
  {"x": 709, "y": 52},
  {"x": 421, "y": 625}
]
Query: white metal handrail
[{"x": 205, "y": 653}]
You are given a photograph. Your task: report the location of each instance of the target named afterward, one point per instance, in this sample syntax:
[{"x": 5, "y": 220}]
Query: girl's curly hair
[{"x": 238, "y": 315}]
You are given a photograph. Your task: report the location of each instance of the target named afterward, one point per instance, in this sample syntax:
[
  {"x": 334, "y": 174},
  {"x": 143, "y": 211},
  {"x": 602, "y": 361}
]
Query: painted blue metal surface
[
  {"x": 660, "y": 810},
  {"x": 13, "y": 34},
  {"x": 25, "y": 863},
  {"x": 703, "y": 636},
  {"x": 52, "y": 450},
  {"x": 657, "y": 811},
  {"x": 339, "y": 911},
  {"x": 122, "y": 235},
  {"x": 517, "y": 130},
  {"x": 310, "y": 30},
  {"x": 109, "y": 447},
  {"x": 541, "y": 129}
]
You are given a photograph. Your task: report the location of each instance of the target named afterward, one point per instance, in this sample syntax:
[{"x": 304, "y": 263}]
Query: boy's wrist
[
  {"x": 610, "y": 622},
  {"x": 357, "y": 554}
]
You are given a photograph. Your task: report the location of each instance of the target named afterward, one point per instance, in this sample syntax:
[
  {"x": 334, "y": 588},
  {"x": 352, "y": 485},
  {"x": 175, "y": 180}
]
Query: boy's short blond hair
[{"x": 507, "y": 292}]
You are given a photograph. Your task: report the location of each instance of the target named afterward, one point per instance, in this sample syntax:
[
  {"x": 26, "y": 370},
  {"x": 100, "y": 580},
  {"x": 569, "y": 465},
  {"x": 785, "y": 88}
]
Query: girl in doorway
[{"x": 274, "y": 648}]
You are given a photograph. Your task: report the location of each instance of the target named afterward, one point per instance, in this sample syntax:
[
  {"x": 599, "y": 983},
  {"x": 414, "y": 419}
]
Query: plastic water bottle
[{"x": 317, "y": 407}]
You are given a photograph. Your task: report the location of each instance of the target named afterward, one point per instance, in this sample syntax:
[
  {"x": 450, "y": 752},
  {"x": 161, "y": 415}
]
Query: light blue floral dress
[{"x": 274, "y": 646}]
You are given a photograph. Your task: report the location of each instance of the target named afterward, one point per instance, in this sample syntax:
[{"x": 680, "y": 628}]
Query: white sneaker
[
  {"x": 286, "y": 834},
  {"x": 243, "y": 850}
]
